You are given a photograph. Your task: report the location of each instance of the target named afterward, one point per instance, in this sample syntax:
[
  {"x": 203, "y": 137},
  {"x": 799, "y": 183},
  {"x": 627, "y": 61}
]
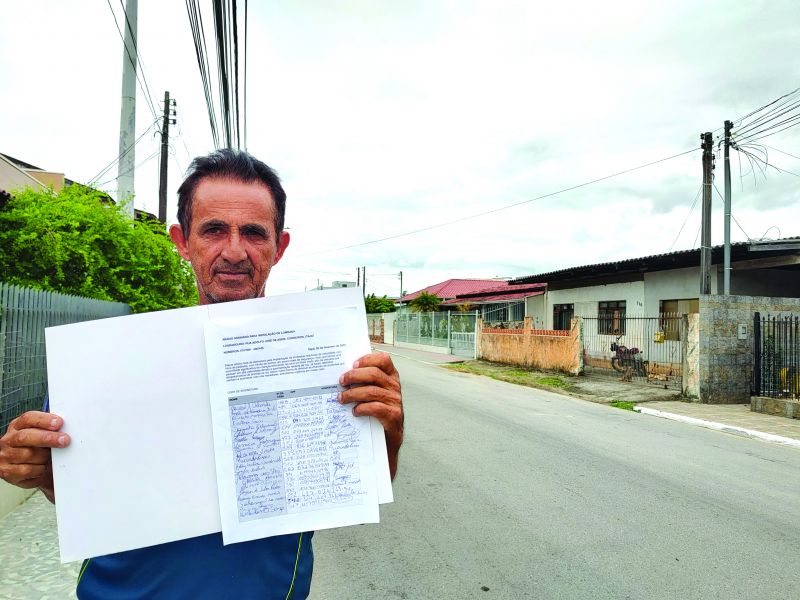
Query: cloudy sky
[{"x": 389, "y": 117}]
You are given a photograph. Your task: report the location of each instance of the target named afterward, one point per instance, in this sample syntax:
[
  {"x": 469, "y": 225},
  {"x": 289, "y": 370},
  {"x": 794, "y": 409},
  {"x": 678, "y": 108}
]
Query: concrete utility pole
[
  {"x": 705, "y": 227},
  {"x": 127, "y": 115},
  {"x": 727, "y": 260},
  {"x": 401, "y": 289},
  {"x": 364, "y": 280},
  {"x": 162, "y": 176}
]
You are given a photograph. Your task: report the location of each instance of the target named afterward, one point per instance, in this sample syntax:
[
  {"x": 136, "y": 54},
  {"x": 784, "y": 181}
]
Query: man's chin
[{"x": 218, "y": 296}]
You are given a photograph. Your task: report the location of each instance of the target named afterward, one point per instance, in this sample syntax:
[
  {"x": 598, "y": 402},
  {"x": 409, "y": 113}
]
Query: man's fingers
[
  {"x": 381, "y": 360},
  {"x": 26, "y": 456},
  {"x": 22, "y": 474},
  {"x": 369, "y": 393},
  {"x": 369, "y": 375},
  {"x": 35, "y": 419},
  {"x": 37, "y": 438}
]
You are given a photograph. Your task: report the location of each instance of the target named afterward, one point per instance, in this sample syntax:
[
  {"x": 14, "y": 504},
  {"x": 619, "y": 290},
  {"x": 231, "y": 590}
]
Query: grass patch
[
  {"x": 622, "y": 405},
  {"x": 512, "y": 374}
]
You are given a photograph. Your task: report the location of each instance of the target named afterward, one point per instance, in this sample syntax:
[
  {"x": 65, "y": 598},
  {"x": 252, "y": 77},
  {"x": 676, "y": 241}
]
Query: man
[{"x": 231, "y": 210}]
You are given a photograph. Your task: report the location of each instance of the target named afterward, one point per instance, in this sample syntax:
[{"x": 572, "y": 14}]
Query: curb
[
  {"x": 424, "y": 362},
  {"x": 742, "y": 431}
]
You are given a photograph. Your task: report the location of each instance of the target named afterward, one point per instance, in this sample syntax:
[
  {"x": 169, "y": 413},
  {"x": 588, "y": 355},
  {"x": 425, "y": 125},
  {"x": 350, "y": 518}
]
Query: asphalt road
[{"x": 511, "y": 492}]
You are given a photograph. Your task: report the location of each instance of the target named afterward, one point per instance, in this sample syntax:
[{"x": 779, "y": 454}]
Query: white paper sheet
[
  {"x": 289, "y": 457},
  {"x": 133, "y": 392}
]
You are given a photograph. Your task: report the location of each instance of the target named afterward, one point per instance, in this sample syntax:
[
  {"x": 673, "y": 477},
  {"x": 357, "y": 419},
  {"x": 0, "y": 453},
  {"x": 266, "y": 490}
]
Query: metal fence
[
  {"x": 24, "y": 313},
  {"x": 776, "y": 356},
  {"x": 453, "y": 330},
  {"x": 640, "y": 349}
]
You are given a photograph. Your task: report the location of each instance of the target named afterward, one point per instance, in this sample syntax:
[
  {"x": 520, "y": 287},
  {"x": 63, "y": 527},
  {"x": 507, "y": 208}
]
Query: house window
[
  {"x": 518, "y": 311},
  {"x": 611, "y": 317},
  {"x": 562, "y": 316},
  {"x": 671, "y": 313}
]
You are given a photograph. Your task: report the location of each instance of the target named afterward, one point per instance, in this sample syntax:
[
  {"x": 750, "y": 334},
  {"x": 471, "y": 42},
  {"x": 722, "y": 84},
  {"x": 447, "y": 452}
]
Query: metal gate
[
  {"x": 453, "y": 330},
  {"x": 776, "y": 356},
  {"x": 647, "y": 350}
]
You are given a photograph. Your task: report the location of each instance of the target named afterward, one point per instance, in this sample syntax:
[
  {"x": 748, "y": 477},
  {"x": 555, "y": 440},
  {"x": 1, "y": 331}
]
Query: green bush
[{"x": 74, "y": 243}]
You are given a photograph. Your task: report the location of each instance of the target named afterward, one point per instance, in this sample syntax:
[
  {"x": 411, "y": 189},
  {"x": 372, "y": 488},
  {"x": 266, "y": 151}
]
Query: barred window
[
  {"x": 562, "y": 316},
  {"x": 611, "y": 317}
]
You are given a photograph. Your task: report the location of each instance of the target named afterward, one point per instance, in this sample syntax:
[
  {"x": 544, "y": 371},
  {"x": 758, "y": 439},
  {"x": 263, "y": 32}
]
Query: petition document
[{"x": 289, "y": 457}]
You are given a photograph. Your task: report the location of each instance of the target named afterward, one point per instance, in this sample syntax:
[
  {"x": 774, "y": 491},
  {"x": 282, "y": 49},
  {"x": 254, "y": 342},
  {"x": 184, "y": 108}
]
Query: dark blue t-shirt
[{"x": 277, "y": 567}]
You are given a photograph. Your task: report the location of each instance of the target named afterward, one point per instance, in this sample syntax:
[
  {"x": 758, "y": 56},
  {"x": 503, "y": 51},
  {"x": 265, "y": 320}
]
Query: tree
[
  {"x": 74, "y": 242},
  {"x": 374, "y": 304},
  {"x": 425, "y": 302}
]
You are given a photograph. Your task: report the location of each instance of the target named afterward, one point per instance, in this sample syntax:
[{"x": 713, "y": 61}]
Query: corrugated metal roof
[{"x": 654, "y": 262}]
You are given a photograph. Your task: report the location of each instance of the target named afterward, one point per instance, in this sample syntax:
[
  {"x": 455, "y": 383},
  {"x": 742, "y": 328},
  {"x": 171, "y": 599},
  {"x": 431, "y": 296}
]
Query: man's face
[{"x": 232, "y": 243}]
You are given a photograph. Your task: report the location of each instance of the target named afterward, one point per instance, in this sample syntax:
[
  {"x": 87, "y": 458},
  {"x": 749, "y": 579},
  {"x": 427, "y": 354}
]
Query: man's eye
[
  {"x": 213, "y": 230},
  {"x": 254, "y": 232}
]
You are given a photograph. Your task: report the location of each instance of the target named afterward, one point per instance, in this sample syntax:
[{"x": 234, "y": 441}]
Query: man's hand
[
  {"x": 25, "y": 451},
  {"x": 376, "y": 393}
]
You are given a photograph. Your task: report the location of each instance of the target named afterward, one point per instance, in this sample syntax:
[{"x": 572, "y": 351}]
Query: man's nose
[{"x": 234, "y": 250}]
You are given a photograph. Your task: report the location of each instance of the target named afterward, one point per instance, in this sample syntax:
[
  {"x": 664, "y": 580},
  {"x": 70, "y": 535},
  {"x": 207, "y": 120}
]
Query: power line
[
  {"x": 781, "y": 151},
  {"x": 110, "y": 165},
  {"x": 145, "y": 90},
  {"x": 149, "y": 96},
  {"x": 201, "y": 50},
  {"x": 501, "y": 208},
  {"x": 675, "y": 241},
  {"x": 132, "y": 169},
  {"x": 740, "y": 119}
]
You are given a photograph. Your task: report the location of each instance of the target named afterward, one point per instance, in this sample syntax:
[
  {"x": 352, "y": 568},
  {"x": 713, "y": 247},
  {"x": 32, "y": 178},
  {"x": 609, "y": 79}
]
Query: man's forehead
[{"x": 221, "y": 198}]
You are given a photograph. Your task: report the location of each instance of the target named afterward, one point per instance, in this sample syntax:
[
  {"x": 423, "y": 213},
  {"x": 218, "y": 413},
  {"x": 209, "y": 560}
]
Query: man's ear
[
  {"x": 176, "y": 233},
  {"x": 283, "y": 242}
]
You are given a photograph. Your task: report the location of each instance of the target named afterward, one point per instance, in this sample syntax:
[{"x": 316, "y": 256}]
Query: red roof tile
[
  {"x": 453, "y": 287},
  {"x": 494, "y": 297}
]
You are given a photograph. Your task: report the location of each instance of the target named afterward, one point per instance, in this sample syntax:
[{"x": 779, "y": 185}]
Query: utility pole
[
  {"x": 401, "y": 289},
  {"x": 726, "y": 277},
  {"x": 162, "y": 178},
  {"x": 705, "y": 227},
  {"x": 364, "y": 280},
  {"x": 127, "y": 115},
  {"x": 358, "y": 277}
]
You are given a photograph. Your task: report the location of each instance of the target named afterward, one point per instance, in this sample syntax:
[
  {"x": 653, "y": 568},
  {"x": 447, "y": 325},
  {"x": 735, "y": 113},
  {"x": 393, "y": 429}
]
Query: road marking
[{"x": 751, "y": 433}]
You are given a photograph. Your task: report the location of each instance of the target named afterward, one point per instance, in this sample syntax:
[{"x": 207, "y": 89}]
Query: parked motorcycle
[{"x": 625, "y": 358}]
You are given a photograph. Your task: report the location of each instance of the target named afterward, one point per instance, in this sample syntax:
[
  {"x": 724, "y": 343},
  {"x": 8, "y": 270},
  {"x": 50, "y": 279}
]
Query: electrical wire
[
  {"x": 201, "y": 51},
  {"x": 145, "y": 90},
  {"x": 149, "y": 96},
  {"x": 691, "y": 210},
  {"x": 793, "y": 92},
  {"x": 110, "y": 165},
  {"x": 244, "y": 83},
  {"x": 132, "y": 169},
  {"x": 501, "y": 208},
  {"x": 781, "y": 151}
]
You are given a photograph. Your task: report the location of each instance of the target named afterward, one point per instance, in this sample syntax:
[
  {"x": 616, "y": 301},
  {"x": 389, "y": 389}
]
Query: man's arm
[
  {"x": 377, "y": 395},
  {"x": 25, "y": 451}
]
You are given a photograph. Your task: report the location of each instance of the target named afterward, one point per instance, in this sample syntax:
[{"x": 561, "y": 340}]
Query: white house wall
[
  {"x": 534, "y": 308},
  {"x": 675, "y": 284},
  {"x": 585, "y": 300}
]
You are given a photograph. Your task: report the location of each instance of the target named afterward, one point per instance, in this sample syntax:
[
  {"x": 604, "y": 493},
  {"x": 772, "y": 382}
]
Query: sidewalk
[
  {"x": 653, "y": 400},
  {"x": 30, "y": 568},
  {"x": 730, "y": 418}
]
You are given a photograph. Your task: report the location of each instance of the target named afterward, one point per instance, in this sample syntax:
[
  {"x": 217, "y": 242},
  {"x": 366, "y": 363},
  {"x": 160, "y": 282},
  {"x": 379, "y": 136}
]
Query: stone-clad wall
[{"x": 726, "y": 362}]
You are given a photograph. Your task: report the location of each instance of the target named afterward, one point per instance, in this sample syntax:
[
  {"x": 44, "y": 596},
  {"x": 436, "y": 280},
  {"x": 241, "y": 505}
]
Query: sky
[{"x": 384, "y": 118}]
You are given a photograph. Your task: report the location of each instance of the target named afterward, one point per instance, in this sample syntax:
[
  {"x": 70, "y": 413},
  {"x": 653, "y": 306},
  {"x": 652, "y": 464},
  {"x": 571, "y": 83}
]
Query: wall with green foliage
[{"x": 74, "y": 243}]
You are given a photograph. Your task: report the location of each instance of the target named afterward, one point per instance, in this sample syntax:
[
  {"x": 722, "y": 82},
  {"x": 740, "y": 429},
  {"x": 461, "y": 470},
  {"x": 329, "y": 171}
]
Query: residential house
[
  {"x": 661, "y": 283},
  {"x": 500, "y": 304},
  {"x": 451, "y": 288},
  {"x": 16, "y": 174}
]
